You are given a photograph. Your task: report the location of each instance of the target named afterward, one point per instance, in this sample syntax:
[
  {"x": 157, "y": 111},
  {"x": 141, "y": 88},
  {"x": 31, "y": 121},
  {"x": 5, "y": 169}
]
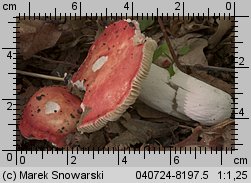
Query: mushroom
[
  {"x": 50, "y": 114},
  {"x": 112, "y": 73},
  {"x": 115, "y": 70},
  {"x": 185, "y": 97}
]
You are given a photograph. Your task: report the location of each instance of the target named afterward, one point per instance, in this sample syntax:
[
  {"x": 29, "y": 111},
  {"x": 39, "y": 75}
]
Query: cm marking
[
  {"x": 240, "y": 161},
  {"x": 8, "y": 7}
]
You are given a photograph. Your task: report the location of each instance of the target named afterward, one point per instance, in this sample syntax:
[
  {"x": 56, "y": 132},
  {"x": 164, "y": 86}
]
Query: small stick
[
  {"x": 210, "y": 68},
  {"x": 40, "y": 75},
  {"x": 175, "y": 58},
  {"x": 54, "y": 61}
]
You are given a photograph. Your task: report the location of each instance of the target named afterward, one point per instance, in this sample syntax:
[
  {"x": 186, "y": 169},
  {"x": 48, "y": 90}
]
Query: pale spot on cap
[
  {"x": 99, "y": 63},
  {"x": 51, "y": 107}
]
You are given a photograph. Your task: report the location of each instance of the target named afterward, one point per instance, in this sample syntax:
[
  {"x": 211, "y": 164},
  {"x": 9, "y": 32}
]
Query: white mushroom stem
[{"x": 185, "y": 97}]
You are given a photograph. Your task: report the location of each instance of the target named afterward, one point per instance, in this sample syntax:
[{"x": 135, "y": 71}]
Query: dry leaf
[
  {"x": 219, "y": 135},
  {"x": 25, "y": 96},
  {"x": 182, "y": 41},
  {"x": 223, "y": 28},
  {"x": 147, "y": 112},
  {"x": 114, "y": 127},
  {"x": 151, "y": 147},
  {"x": 195, "y": 54},
  {"x": 92, "y": 140},
  {"x": 192, "y": 27},
  {"x": 192, "y": 140},
  {"x": 36, "y": 35},
  {"x": 216, "y": 137},
  {"x": 146, "y": 130},
  {"x": 194, "y": 45},
  {"x": 124, "y": 140},
  {"x": 227, "y": 137}
]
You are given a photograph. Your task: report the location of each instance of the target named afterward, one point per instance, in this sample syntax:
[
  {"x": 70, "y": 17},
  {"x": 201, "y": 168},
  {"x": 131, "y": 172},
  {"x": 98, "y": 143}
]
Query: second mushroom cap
[{"x": 51, "y": 114}]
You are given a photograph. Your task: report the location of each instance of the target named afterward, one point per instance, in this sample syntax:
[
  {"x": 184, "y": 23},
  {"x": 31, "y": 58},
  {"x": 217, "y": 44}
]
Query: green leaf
[
  {"x": 184, "y": 50},
  {"x": 170, "y": 70},
  {"x": 144, "y": 23},
  {"x": 162, "y": 50}
]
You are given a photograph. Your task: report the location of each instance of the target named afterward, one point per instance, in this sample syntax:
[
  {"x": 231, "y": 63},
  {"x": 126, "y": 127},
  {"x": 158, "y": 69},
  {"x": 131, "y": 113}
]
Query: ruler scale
[{"x": 98, "y": 165}]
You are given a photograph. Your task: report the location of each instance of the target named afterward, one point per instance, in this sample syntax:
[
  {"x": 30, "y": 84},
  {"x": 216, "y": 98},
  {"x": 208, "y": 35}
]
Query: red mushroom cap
[
  {"x": 51, "y": 114},
  {"x": 112, "y": 73}
]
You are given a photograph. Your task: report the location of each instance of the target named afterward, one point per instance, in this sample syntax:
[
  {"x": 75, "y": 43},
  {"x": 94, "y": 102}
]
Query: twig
[
  {"x": 175, "y": 58},
  {"x": 54, "y": 61},
  {"x": 40, "y": 75},
  {"x": 209, "y": 68}
]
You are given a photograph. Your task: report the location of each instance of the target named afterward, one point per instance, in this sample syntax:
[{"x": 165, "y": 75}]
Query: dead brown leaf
[
  {"x": 124, "y": 140},
  {"x": 114, "y": 127},
  {"x": 151, "y": 147},
  {"x": 216, "y": 137},
  {"x": 227, "y": 137},
  {"x": 192, "y": 140},
  {"x": 192, "y": 26},
  {"x": 195, "y": 54},
  {"x": 25, "y": 96},
  {"x": 180, "y": 27},
  {"x": 36, "y": 35},
  {"x": 181, "y": 41},
  {"x": 194, "y": 45},
  {"x": 223, "y": 28},
  {"x": 146, "y": 130},
  {"x": 92, "y": 140},
  {"x": 147, "y": 112},
  {"x": 175, "y": 25}
]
